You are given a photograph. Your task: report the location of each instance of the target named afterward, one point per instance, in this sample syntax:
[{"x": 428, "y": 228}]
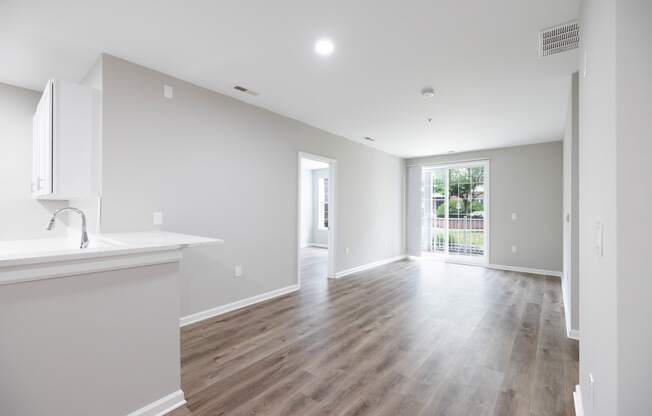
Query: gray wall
[
  {"x": 101, "y": 344},
  {"x": 21, "y": 216},
  {"x": 571, "y": 276},
  {"x": 318, "y": 236},
  {"x": 90, "y": 206},
  {"x": 634, "y": 196},
  {"x": 526, "y": 180},
  {"x": 222, "y": 168},
  {"x": 306, "y": 207}
]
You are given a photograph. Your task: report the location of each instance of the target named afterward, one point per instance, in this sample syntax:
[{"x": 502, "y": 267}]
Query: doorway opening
[
  {"x": 316, "y": 219},
  {"x": 455, "y": 212}
]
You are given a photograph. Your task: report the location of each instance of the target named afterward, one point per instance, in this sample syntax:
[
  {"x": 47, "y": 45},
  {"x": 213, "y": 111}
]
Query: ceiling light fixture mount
[
  {"x": 428, "y": 92},
  {"x": 324, "y": 47},
  {"x": 370, "y": 139}
]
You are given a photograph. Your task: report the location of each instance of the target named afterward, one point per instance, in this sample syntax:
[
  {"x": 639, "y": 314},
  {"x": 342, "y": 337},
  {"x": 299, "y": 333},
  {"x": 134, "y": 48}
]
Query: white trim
[
  {"x": 369, "y": 266},
  {"x": 162, "y": 406},
  {"x": 17, "y": 274},
  {"x": 448, "y": 163},
  {"x": 544, "y": 272},
  {"x": 577, "y": 398},
  {"x": 219, "y": 310},
  {"x": 570, "y": 333},
  {"x": 573, "y": 334}
]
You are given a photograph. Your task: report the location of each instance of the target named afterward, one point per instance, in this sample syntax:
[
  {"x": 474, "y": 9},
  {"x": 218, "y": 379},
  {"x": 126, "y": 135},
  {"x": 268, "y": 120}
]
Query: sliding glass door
[{"x": 455, "y": 212}]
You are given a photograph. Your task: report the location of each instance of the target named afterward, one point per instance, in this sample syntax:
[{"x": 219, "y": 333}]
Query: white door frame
[
  {"x": 485, "y": 163},
  {"x": 332, "y": 198}
]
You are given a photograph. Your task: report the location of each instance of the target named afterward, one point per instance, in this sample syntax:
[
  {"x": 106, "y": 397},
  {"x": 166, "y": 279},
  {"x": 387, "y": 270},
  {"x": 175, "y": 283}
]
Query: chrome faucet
[{"x": 84, "y": 235}]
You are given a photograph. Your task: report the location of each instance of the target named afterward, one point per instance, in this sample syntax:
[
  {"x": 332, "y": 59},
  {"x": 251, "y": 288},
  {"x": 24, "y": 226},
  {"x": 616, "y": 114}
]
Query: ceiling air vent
[
  {"x": 559, "y": 39},
  {"x": 245, "y": 90}
]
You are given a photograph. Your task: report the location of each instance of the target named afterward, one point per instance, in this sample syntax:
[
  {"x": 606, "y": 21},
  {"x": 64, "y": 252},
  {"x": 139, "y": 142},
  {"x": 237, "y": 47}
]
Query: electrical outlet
[
  {"x": 514, "y": 216},
  {"x": 386, "y": 244},
  {"x": 157, "y": 218},
  {"x": 168, "y": 91},
  {"x": 237, "y": 270},
  {"x": 346, "y": 251},
  {"x": 514, "y": 249}
]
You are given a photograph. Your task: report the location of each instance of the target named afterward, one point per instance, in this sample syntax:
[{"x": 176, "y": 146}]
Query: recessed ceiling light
[{"x": 324, "y": 47}]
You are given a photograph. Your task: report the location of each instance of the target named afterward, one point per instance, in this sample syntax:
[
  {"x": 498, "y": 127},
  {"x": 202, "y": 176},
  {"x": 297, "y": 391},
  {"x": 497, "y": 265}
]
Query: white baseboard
[
  {"x": 219, "y": 310},
  {"x": 577, "y": 398},
  {"x": 320, "y": 245},
  {"x": 525, "y": 270},
  {"x": 570, "y": 332},
  {"x": 573, "y": 334},
  {"x": 368, "y": 266},
  {"x": 162, "y": 406}
]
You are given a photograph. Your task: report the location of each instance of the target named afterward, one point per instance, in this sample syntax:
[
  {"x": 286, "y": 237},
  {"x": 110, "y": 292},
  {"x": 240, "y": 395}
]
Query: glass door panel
[{"x": 454, "y": 222}]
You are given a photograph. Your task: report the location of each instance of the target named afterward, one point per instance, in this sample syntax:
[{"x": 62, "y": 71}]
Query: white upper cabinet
[{"x": 65, "y": 143}]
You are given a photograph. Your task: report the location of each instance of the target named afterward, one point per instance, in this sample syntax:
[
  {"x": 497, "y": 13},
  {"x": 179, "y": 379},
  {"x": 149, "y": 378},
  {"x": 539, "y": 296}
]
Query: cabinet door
[{"x": 42, "y": 145}]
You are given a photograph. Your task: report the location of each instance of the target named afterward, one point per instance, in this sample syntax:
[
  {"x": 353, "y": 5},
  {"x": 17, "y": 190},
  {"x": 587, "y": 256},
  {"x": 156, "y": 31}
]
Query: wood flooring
[{"x": 409, "y": 338}]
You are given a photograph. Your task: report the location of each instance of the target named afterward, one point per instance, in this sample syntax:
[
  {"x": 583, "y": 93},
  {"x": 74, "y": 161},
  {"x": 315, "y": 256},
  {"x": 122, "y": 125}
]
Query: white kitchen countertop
[{"x": 19, "y": 253}]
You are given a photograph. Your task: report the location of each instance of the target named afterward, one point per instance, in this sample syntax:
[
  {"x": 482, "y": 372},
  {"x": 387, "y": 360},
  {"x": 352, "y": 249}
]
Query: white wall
[
  {"x": 216, "y": 166},
  {"x": 598, "y": 194},
  {"x": 571, "y": 275},
  {"x": 634, "y": 199},
  {"x": 319, "y": 236},
  {"x": 21, "y": 216},
  {"x": 526, "y": 180}
]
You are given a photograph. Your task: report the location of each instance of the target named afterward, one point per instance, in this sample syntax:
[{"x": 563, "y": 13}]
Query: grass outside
[{"x": 461, "y": 237}]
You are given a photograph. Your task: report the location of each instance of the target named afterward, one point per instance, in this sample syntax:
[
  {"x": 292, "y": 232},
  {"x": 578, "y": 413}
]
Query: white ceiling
[{"x": 480, "y": 56}]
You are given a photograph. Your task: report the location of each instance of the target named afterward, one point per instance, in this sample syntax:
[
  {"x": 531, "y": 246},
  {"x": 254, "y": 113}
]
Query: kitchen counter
[
  {"x": 25, "y": 260},
  {"x": 90, "y": 321}
]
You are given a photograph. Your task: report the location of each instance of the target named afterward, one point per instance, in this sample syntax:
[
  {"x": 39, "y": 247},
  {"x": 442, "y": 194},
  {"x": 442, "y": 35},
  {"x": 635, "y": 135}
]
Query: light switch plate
[
  {"x": 514, "y": 249},
  {"x": 599, "y": 239},
  {"x": 514, "y": 216},
  {"x": 157, "y": 218},
  {"x": 237, "y": 270},
  {"x": 168, "y": 91}
]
